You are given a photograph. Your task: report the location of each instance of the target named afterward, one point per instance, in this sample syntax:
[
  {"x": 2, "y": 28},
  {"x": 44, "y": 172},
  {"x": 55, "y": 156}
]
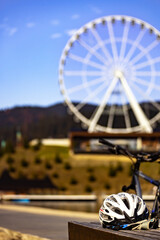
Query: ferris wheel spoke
[
  {"x": 126, "y": 116},
  {"x": 145, "y": 83},
  {"x": 147, "y": 73},
  {"x": 101, "y": 44},
  {"x": 125, "y": 112},
  {"x": 96, "y": 115},
  {"x": 87, "y": 62},
  {"x": 82, "y": 73},
  {"x": 91, "y": 51},
  {"x": 141, "y": 81},
  {"x": 146, "y": 97},
  {"x": 146, "y": 50},
  {"x": 141, "y": 118},
  {"x": 112, "y": 40},
  {"x": 91, "y": 96},
  {"x": 147, "y": 63},
  {"x": 134, "y": 46},
  {"x": 124, "y": 41},
  {"x": 111, "y": 116},
  {"x": 84, "y": 85}
]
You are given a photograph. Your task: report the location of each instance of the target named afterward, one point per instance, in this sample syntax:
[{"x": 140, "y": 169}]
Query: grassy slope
[{"x": 74, "y": 174}]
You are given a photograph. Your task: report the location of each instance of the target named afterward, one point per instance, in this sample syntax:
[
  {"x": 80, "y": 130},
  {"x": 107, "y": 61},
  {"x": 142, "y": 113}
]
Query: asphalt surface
[{"x": 40, "y": 222}]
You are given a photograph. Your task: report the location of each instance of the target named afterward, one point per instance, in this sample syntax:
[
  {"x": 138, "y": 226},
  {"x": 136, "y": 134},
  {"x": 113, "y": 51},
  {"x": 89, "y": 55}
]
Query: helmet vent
[
  {"x": 139, "y": 204},
  {"x": 118, "y": 211},
  {"x": 126, "y": 203},
  {"x": 113, "y": 199},
  {"x": 108, "y": 204}
]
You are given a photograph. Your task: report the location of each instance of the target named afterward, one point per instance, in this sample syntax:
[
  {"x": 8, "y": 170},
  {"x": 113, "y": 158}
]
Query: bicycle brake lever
[{"x": 125, "y": 188}]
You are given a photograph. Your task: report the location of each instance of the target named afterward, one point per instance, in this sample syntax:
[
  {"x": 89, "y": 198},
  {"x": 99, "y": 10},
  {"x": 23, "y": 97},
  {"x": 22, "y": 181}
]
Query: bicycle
[{"x": 136, "y": 173}]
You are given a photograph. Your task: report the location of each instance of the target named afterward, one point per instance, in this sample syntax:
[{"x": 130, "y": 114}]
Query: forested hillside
[
  {"x": 52, "y": 122},
  {"x": 37, "y": 122}
]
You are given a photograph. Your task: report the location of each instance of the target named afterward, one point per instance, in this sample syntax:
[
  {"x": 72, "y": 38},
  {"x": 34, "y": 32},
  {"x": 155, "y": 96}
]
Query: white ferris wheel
[{"x": 109, "y": 75}]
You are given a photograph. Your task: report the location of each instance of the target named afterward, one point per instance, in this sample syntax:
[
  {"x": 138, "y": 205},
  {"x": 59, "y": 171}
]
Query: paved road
[{"x": 43, "y": 224}]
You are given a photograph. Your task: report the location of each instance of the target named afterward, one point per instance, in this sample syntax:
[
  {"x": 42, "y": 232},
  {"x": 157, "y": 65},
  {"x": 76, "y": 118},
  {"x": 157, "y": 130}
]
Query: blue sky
[{"x": 33, "y": 34}]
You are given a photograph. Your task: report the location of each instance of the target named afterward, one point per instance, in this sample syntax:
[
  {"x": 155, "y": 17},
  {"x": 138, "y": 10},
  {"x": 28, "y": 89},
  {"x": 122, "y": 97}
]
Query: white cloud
[
  {"x": 75, "y": 16},
  {"x": 71, "y": 32},
  {"x": 96, "y": 10},
  {"x": 12, "y": 31},
  {"x": 30, "y": 24},
  {"x": 7, "y": 29},
  {"x": 55, "y": 22},
  {"x": 56, "y": 35}
]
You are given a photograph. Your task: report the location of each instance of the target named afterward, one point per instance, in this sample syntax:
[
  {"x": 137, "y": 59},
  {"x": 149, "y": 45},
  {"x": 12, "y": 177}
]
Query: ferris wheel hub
[{"x": 118, "y": 74}]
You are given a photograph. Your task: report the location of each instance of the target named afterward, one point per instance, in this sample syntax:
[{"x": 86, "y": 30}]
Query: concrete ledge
[
  {"x": 6, "y": 234},
  {"x": 13, "y": 197},
  {"x": 94, "y": 231}
]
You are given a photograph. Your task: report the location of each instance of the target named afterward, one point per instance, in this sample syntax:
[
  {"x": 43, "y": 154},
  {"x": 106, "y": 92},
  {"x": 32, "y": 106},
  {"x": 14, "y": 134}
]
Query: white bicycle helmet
[{"x": 122, "y": 208}]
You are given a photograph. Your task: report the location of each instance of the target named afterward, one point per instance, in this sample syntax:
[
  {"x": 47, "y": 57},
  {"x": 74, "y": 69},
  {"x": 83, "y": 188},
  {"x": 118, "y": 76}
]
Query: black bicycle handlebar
[{"x": 118, "y": 150}]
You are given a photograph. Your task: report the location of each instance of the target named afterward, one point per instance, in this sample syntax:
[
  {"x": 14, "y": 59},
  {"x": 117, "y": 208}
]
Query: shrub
[
  {"x": 58, "y": 159},
  {"x": 12, "y": 169},
  {"x": 48, "y": 165},
  {"x": 119, "y": 167},
  {"x": 107, "y": 186},
  {"x": 55, "y": 175},
  {"x": 24, "y": 162},
  {"x": 73, "y": 181},
  {"x": 92, "y": 178},
  {"x": 37, "y": 160},
  {"x": 67, "y": 166},
  {"x": 112, "y": 171},
  {"x": 88, "y": 189},
  {"x": 10, "y": 160}
]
